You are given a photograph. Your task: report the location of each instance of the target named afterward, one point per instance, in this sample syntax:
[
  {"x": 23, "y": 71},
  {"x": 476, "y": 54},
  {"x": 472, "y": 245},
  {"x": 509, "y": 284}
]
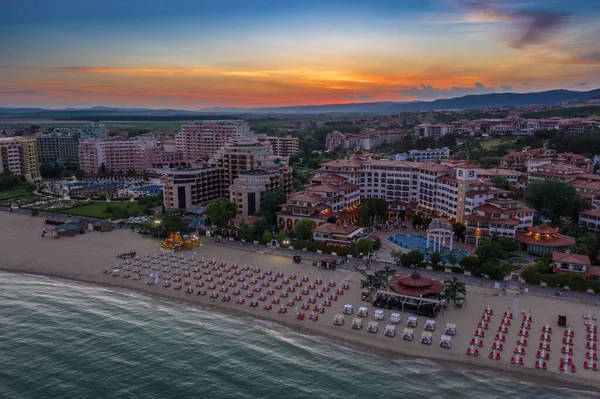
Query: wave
[{"x": 86, "y": 339}]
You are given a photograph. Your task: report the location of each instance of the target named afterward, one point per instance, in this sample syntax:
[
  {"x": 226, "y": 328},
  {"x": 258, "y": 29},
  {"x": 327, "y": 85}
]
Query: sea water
[{"x": 69, "y": 340}]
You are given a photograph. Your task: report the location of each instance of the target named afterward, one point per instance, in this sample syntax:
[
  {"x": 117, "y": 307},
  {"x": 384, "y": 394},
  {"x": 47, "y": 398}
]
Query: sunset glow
[{"x": 202, "y": 54}]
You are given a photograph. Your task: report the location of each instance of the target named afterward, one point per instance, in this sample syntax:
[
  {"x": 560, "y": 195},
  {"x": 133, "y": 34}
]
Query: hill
[{"x": 459, "y": 103}]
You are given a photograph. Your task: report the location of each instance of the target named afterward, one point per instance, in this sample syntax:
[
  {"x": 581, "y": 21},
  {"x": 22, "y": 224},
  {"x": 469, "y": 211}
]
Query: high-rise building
[
  {"x": 202, "y": 139},
  {"x": 282, "y": 146},
  {"x": 116, "y": 156},
  {"x": 185, "y": 188},
  {"x": 249, "y": 189},
  {"x": 58, "y": 148},
  {"x": 93, "y": 131},
  {"x": 18, "y": 155}
]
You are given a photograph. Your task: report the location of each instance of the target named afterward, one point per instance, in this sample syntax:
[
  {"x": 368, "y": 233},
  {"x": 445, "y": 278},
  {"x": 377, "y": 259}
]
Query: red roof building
[
  {"x": 415, "y": 285},
  {"x": 571, "y": 263},
  {"x": 543, "y": 241}
]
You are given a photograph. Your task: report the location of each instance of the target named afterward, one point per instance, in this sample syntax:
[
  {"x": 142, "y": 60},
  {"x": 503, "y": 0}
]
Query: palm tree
[
  {"x": 453, "y": 289},
  {"x": 389, "y": 272}
]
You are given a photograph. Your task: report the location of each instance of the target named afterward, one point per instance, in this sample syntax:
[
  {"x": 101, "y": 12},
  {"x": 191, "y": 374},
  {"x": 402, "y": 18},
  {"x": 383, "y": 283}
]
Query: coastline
[
  {"x": 527, "y": 376},
  {"x": 65, "y": 259}
]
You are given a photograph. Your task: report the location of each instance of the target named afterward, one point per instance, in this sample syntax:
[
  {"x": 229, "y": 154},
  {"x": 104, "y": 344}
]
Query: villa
[
  {"x": 338, "y": 235},
  {"x": 571, "y": 263}
]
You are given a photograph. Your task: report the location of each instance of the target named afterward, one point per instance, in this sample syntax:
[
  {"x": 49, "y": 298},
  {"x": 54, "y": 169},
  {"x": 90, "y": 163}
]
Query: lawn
[
  {"x": 498, "y": 141},
  {"x": 12, "y": 193},
  {"x": 96, "y": 209}
]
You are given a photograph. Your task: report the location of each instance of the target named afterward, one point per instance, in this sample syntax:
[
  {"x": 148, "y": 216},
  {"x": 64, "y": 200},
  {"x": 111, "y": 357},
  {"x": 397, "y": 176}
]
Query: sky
[{"x": 194, "y": 54}]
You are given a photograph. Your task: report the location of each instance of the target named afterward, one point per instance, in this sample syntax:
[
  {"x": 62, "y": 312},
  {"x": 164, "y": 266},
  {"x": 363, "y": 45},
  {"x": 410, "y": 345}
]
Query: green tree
[
  {"x": 551, "y": 198},
  {"x": 363, "y": 246},
  {"x": 281, "y": 237},
  {"x": 435, "y": 258},
  {"x": 470, "y": 262},
  {"x": 103, "y": 171},
  {"x": 272, "y": 201},
  {"x": 102, "y": 196},
  {"x": 304, "y": 229},
  {"x": 413, "y": 258},
  {"x": 452, "y": 259},
  {"x": 79, "y": 173},
  {"x": 266, "y": 237},
  {"x": 489, "y": 249},
  {"x": 501, "y": 182},
  {"x": 219, "y": 211},
  {"x": 29, "y": 187},
  {"x": 417, "y": 220},
  {"x": 588, "y": 244},
  {"x": 244, "y": 231}
]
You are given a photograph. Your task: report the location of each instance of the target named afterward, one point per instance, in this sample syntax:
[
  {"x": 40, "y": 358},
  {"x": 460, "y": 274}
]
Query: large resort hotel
[{"x": 453, "y": 190}]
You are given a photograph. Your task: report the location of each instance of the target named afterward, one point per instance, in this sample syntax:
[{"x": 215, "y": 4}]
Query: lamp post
[{"x": 158, "y": 228}]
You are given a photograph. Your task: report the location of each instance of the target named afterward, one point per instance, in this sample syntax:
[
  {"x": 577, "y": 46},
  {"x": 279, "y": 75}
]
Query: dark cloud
[
  {"x": 428, "y": 92},
  {"x": 594, "y": 56},
  {"x": 581, "y": 84},
  {"x": 535, "y": 26},
  {"x": 361, "y": 97},
  {"x": 22, "y": 92}
]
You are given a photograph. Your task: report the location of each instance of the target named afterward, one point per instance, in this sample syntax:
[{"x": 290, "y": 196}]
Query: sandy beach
[{"x": 84, "y": 258}]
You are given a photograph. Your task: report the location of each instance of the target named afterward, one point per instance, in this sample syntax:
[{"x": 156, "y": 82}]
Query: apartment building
[
  {"x": 198, "y": 139},
  {"x": 18, "y": 155},
  {"x": 249, "y": 188},
  {"x": 335, "y": 140},
  {"x": 428, "y": 155},
  {"x": 327, "y": 198},
  {"x": 365, "y": 141},
  {"x": 58, "y": 147},
  {"x": 282, "y": 146},
  {"x": 93, "y": 131},
  {"x": 564, "y": 173},
  {"x": 497, "y": 217},
  {"x": 117, "y": 156},
  {"x": 190, "y": 187},
  {"x": 528, "y": 160},
  {"x": 243, "y": 153},
  {"x": 590, "y": 220},
  {"x": 432, "y": 130}
]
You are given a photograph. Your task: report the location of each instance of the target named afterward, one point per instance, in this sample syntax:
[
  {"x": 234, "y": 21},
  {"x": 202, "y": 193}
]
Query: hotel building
[
  {"x": 201, "y": 139},
  {"x": 57, "y": 147},
  {"x": 18, "y": 155},
  {"x": 451, "y": 190},
  {"x": 189, "y": 187},
  {"x": 428, "y": 155},
  {"x": 282, "y": 146}
]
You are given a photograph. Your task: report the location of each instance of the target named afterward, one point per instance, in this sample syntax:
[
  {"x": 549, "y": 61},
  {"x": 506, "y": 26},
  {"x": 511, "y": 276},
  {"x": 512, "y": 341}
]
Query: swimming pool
[
  {"x": 419, "y": 242},
  {"x": 151, "y": 189}
]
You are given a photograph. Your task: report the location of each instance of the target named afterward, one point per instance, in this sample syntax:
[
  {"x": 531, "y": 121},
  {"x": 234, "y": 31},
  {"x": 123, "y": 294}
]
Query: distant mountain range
[{"x": 458, "y": 103}]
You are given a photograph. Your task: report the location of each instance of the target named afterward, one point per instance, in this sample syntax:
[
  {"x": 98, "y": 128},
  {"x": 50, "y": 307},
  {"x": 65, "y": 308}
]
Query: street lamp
[{"x": 158, "y": 228}]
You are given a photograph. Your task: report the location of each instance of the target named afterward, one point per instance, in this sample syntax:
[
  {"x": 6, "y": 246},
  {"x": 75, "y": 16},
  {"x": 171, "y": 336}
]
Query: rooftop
[
  {"x": 570, "y": 258},
  {"x": 333, "y": 228}
]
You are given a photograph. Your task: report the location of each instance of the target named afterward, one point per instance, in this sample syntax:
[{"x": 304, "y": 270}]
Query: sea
[{"x": 62, "y": 339}]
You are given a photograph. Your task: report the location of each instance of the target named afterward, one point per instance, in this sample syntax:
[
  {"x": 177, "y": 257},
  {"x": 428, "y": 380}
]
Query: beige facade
[
  {"x": 187, "y": 187},
  {"x": 248, "y": 190},
  {"x": 18, "y": 155}
]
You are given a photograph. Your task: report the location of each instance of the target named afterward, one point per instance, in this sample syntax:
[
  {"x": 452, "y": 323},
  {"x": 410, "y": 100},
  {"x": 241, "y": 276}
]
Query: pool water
[
  {"x": 419, "y": 242},
  {"x": 151, "y": 189}
]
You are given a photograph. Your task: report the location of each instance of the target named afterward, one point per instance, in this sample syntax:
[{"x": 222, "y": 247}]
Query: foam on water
[{"x": 67, "y": 340}]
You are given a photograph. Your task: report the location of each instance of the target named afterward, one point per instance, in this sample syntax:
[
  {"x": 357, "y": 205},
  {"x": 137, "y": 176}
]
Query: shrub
[
  {"x": 457, "y": 269},
  {"x": 438, "y": 267}
]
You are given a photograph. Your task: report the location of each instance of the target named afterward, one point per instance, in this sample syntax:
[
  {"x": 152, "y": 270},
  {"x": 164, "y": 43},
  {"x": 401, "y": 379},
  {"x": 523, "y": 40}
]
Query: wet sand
[{"x": 84, "y": 258}]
